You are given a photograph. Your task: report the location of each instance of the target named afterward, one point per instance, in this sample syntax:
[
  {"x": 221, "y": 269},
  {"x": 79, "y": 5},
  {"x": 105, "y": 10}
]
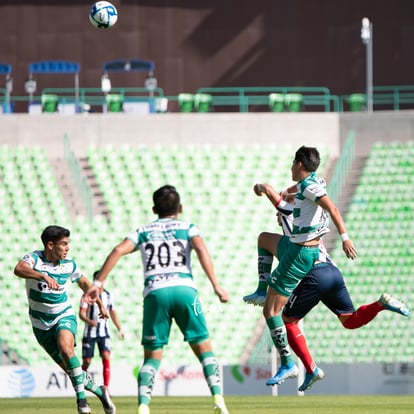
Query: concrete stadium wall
[
  {"x": 99, "y": 130},
  {"x": 383, "y": 126}
]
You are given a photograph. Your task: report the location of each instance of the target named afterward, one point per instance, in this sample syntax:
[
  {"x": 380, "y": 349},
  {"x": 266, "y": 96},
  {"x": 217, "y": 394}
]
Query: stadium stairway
[
  {"x": 67, "y": 188},
  {"x": 99, "y": 206}
]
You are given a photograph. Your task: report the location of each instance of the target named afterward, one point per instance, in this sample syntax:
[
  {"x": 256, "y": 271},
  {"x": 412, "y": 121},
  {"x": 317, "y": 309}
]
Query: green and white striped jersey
[
  {"x": 310, "y": 221},
  {"x": 47, "y": 306},
  {"x": 165, "y": 252}
]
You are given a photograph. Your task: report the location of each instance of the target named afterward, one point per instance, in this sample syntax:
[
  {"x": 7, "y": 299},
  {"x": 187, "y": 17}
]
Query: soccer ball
[{"x": 103, "y": 14}]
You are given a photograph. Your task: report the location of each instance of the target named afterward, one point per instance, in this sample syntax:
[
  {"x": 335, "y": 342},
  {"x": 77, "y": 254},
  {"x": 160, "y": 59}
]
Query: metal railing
[
  {"x": 95, "y": 96},
  {"x": 386, "y": 97},
  {"x": 242, "y": 99},
  {"x": 80, "y": 181}
]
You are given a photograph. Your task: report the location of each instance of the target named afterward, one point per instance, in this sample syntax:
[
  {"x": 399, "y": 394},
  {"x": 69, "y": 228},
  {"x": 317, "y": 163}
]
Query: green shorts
[
  {"x": 48, "y": 339},
  {"x": 295, "y": 262},
  {"x": 180, "y": 303}
]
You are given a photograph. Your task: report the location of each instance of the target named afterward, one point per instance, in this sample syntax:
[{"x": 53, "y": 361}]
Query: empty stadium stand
[{"x": 216, "y": 187}]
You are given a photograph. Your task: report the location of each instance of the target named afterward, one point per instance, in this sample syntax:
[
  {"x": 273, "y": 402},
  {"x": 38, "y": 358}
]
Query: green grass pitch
[{"x": 372, "y": 404}]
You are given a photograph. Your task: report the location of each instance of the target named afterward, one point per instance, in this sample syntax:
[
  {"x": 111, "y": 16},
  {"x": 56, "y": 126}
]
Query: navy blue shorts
[
  {"x": 88, "y": 346},
  {"x": 324, "y": 283}
]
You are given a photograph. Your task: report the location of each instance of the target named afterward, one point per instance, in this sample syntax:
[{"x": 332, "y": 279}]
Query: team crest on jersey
[{"x": 66, "y": 267}]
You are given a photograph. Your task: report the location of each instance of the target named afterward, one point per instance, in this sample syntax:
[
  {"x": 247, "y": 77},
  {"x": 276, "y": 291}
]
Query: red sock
[
  {"x": 363, "y": 315},
  {"x": 298, "y": 344},
  {"x": 106, "y": 371}
]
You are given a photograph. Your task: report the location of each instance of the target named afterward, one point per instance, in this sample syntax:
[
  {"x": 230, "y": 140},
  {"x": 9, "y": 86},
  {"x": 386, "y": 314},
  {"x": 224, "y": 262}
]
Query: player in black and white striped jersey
[{"x": 96, "y": 332}]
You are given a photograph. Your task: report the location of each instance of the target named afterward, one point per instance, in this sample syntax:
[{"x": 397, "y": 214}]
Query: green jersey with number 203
[{"x": 166, "y": 253}]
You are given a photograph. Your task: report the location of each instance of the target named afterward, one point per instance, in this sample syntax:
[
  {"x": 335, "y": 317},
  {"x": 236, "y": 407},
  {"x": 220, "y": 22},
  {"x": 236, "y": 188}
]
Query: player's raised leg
[{"x": 266, "y": 250}]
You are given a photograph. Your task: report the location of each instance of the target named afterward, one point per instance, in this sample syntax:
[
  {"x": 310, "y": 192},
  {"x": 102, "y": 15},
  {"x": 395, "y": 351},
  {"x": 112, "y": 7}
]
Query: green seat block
[
  {"x": 294, "y": 102},
  {"x": 49, "y": 103},
  {"x": 114, "y": 102},
  {"x": 202, "y": 102},
  {"x": 356, "y": 102},
  {"x": 276, "y": 102},
  {"x": 186, "y": 102}
]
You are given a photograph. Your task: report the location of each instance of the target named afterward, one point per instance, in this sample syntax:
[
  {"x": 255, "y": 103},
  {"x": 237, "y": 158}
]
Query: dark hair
[
  {"x": 309, "y": 157},
  {"x": 95, "y": 274},
  {"x": 53, "y": 234},
  {"x": 166, "y": 200}
]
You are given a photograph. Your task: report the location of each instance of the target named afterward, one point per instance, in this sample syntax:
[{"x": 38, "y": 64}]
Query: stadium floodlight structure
[{"x": 366, "y": 36}]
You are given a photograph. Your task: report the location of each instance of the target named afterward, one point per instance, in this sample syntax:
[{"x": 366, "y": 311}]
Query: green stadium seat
[
  {"x": 203, "y": 102},
  {"x": 114, "y": 102},
  {"x": 294, "y": 102},
  {"x": 356, "y": 102},
  {"x": 186, "y": 102},
  {"x": 49, "y": 103},
  {"x": 277, "y": 102}
]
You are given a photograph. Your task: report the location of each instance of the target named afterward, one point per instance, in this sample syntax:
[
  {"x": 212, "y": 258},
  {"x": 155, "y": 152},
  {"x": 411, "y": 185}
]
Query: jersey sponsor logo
[
  {"x": 43, "y": 287},
  {"x": 166, "y": 234},
  {"x": 282, "y": 345},
  {"x": 162, "y": 278},
  {"x": 198, "y": 310}
]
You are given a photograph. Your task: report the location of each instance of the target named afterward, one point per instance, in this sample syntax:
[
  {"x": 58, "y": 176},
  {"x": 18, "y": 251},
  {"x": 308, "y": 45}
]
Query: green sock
[
  {"x": 90, "y": 385},
  {"x": 146, "y": 378},
  {"x": 264, "y": 267},
  {"x": 211, "y": 372},
  {"x": 74, "y": 370},
  {"x": 277, "y": 330}
]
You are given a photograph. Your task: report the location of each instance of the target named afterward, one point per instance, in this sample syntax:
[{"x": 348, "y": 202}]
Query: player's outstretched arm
[
  {"x": 266, "y": 189},
  {"x": 85, "y": 284},
  {"x": 126, "y": 246},
  {"x": 347, "y": 246},
  {"x": 207, "y": 265}
]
